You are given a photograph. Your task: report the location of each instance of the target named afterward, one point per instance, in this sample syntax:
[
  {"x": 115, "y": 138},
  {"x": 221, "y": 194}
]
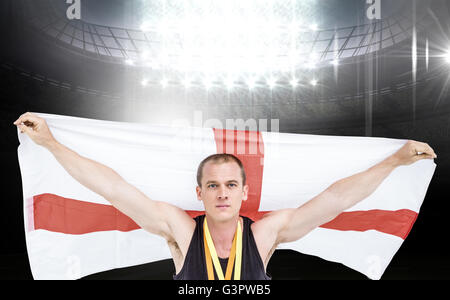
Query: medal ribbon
[{"x": 235, "y": 257}]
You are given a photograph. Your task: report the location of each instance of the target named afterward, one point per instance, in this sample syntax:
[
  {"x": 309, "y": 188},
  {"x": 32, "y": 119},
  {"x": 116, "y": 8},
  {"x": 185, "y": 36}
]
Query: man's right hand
[
  {"x": 161, "y": 218},
  {"x": 36, "y": 128}
]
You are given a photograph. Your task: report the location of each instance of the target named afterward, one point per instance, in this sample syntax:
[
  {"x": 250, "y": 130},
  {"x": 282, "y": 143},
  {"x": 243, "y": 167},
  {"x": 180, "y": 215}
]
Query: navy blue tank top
[{"x": 194, "y": 267}]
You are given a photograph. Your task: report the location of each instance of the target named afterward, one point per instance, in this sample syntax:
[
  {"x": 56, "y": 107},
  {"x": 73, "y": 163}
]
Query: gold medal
[{"x": 235, "y": 257}]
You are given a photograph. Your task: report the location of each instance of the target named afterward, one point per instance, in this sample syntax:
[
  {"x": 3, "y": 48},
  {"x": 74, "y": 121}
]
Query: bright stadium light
[
  {"x": 313, "y": 27},
  {"x": 144, "y": 82},
  {"x": 164, "y": 82},
  {"x": 335, "y": 62},
  {"x": 229, "y": 82},
  {"x": 145, "y": 27},
  {"x": 294, "y": 29},
  {"x": 271, "y": 82},
  {"x": 163, "y": 29},
  {"x": 312, "y": 61},
  {"x": 145, "y": 55},
  {"x": 129, "y": 62},
  {"x": 186, "y": 83},
  {"x": 313, "y": 82},
  {"x": 447, "y": 56},
  {"x": 207, "y": 82},
  {"x": 232, "y": 39},
  {"x": 311, "y": 65},
  {"x": 251, "y": 82},
  {"x": 293, "y": 82}
]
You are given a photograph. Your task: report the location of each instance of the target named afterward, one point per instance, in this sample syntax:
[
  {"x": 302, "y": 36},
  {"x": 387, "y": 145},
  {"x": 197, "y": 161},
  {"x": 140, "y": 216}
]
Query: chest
[{"x": 194, "y": 264}]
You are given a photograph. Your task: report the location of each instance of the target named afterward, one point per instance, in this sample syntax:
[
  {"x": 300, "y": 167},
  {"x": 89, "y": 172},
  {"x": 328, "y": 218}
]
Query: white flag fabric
[{"x": 72, "y": 232}]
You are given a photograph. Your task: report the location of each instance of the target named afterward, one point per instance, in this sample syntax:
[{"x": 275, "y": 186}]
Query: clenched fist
[
  {"x": 413, "y": 151},
  {"x": 36, "y": 128}
]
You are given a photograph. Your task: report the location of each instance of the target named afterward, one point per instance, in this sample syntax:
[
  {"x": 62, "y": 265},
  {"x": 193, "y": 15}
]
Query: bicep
[
  {"x": 298, "y": 222},
  {"x": 291, "y": 224},
  {"x": 156, "y": 217}
]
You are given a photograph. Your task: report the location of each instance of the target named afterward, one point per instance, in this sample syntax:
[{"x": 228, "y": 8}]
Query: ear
[
  {"x": 245, "y": 192},
  {"x": 198, "y": 191}
]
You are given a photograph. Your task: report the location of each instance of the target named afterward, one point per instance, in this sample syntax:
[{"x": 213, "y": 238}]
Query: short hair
[{"x": 220, "y": 158}]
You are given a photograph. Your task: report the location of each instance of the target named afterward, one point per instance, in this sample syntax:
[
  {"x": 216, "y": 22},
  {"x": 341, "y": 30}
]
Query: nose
[{"x": 222, "y": 193}]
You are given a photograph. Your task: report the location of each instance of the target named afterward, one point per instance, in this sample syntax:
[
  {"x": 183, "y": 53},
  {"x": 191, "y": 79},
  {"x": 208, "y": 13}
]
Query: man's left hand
[{"x": 413, "y": 151}]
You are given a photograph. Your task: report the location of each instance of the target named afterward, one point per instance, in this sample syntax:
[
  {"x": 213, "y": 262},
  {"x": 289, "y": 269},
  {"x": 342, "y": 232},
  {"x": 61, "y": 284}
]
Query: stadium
[{"x": 310, "y": 67}]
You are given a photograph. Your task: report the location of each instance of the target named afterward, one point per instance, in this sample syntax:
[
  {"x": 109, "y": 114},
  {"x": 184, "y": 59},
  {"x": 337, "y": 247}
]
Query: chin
[{"x": 223, "y": 216}]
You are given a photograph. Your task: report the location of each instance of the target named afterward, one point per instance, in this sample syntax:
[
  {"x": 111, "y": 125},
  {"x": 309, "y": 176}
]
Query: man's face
[{"x": 222, "y": 191}]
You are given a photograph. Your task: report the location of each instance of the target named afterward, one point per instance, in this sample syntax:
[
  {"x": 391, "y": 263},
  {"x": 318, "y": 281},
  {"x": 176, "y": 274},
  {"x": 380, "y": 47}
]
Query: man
[{"x": 221, "y": 239}]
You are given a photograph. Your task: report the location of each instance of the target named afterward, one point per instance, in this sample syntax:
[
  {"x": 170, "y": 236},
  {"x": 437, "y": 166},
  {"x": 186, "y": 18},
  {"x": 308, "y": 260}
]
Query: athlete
[{"x": 220, "y": 244}]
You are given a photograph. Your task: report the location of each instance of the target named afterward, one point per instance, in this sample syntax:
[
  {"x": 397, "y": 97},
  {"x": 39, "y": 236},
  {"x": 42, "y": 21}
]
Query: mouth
[{"x": 222, "y": 206}]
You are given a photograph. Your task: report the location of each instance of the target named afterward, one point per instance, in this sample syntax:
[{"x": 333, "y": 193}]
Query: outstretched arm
[
  {"x": 288, "y": 225},
  {"x": 156, "y": 217}
]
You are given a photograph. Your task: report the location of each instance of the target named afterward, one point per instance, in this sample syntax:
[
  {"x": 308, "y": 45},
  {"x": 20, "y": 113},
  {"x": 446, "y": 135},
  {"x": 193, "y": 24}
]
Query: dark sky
[{"x": 328, "y": 13}]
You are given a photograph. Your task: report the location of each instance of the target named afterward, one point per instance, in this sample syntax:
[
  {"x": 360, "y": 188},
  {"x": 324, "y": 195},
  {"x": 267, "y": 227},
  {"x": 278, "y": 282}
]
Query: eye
[
  {"x": 212, "y": 185},
  {"x": 232, "y": 184}
]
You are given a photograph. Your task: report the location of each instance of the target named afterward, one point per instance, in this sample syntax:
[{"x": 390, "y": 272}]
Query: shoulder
[
  {"x": 179, "y": 225},
  {"x": 273, "y": 221}
]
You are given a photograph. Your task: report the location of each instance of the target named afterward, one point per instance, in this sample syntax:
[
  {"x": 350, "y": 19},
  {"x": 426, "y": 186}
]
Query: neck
[{"x": 222, "y": 234}]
